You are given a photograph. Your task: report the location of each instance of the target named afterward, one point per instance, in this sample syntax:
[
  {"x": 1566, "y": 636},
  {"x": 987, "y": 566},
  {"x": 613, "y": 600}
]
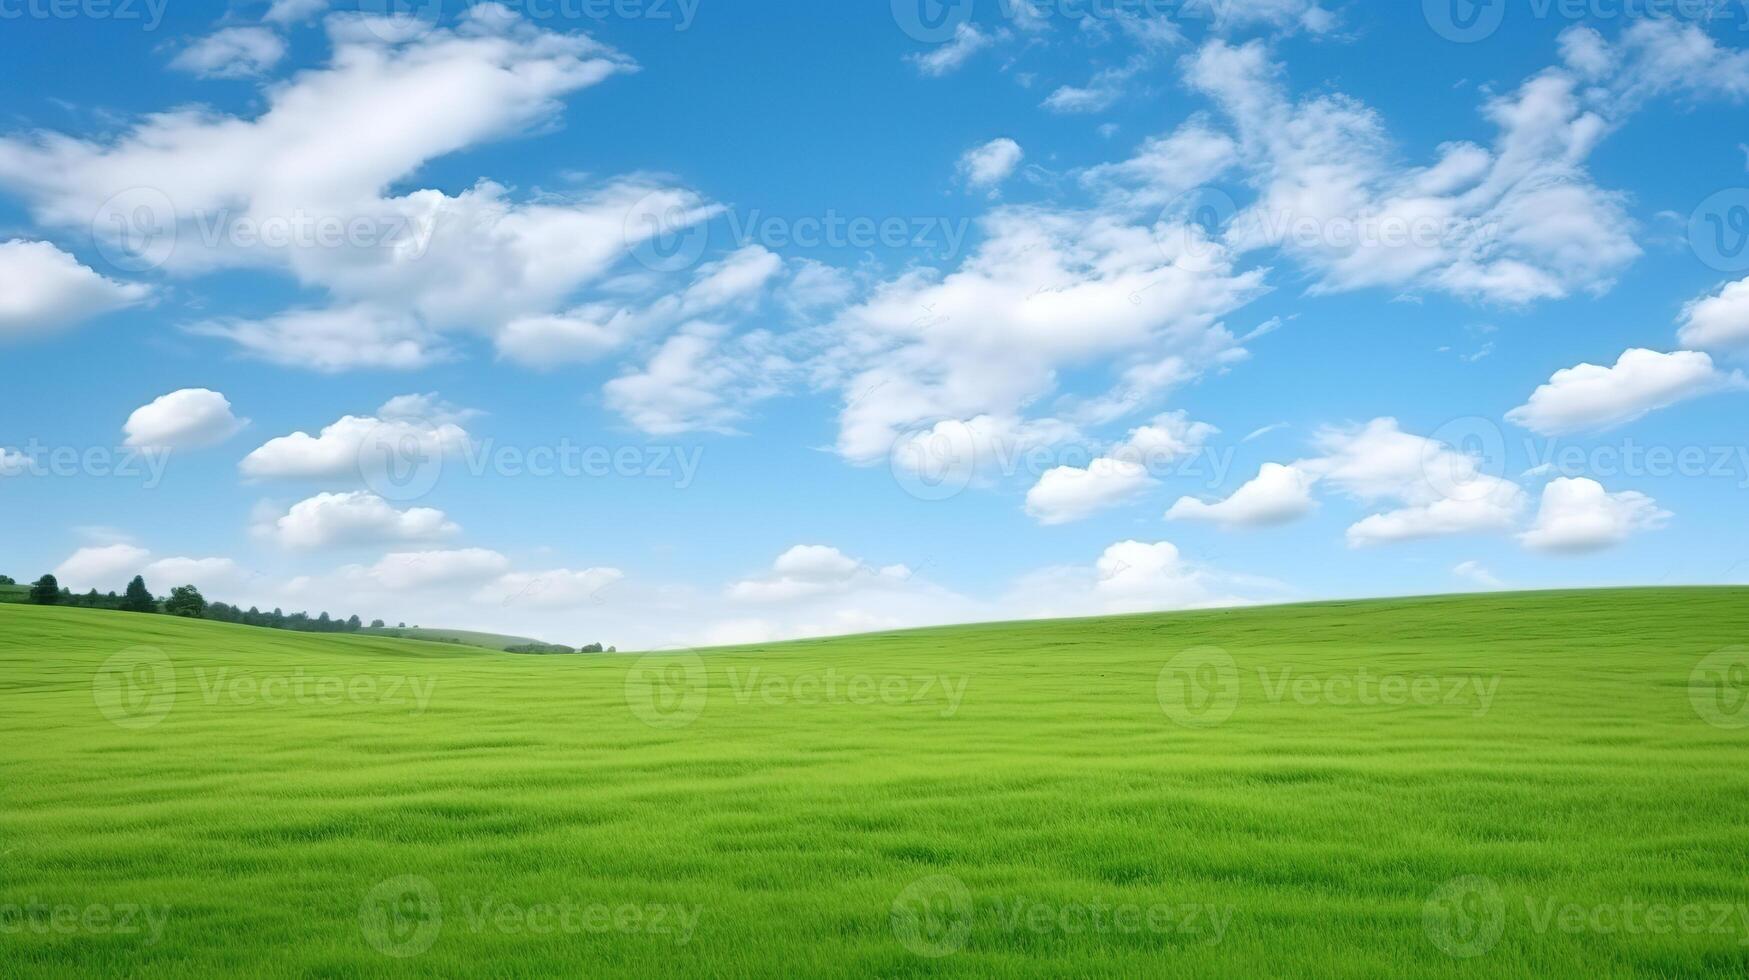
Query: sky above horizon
[{"x": 671, "y": 323}]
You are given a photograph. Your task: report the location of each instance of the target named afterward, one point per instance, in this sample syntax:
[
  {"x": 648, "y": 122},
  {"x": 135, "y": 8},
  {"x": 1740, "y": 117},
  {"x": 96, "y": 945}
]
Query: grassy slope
[
  {"x": 489, "y": 641},
  {"x": 1324, "y": 827}
]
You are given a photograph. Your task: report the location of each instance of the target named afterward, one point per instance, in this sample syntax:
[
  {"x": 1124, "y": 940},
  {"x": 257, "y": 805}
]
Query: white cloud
[
  {"x": 1069, "y": 493},
  {"x": 106, "y": 569},
  {"x": 559, "y": 588},
  {"x": 1100, "y": 93},
  {"x": 1136, "y": 576},
  {"x": 700, "y": 379},
  {"x": 1475, "y": 574},
  {"x": 346, "y": 448},
  {"x": 1441, "y": 490},
  {"x": 42, "y": 288},
  {"x": 191, "y": 418},
  {"x": 1719, "y": 321},
  {"x": 1163, "y": 168},
  {"x": 356, "y": 518},
  {"x": 232, "y": 52},
  {"x": 294, "y": 11},
  {"x": 807, "y": 571},
  {"x": 331, "y": 340},
  {"x": 986, "y": 166},
  {"x": 216, "y": 578},
  {"x": 411, "y": 570},
  {"x": 1590, "y": 396},
  {"x": 945, "y": 58},
  {"x": 1578, "y": 515},
  {"x": 1277, "y": 495}
]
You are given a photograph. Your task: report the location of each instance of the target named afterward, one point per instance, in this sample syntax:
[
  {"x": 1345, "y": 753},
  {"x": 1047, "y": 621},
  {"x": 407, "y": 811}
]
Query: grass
[
  {"x": 14, "y": 593},
  {"x": 1002, "y": 800},
  {"x": 488, "y": 641}
]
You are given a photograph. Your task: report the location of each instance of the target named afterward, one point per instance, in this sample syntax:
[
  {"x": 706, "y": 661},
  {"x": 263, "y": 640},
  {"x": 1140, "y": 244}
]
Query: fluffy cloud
[
  {"x": 1069, "y": 493},
  {"x": 1591, "y": 396},
  {"x": 1719, "y": 321},
  {"x": 806, "y": 571},
  {"x": 986, "y": 166},
  {"x": 1277, "y": 495},
  {"x": 233, "y": 52},
  {"x": 407, "y": 571},
  {"x": 987, "y": 339},
  {"x": 350, "y": 446},
  {"x": 1578, "y": 515},
  {"x": 1440, "y": 490},
  {"x": 344, "y": 338},
  {"x": 294, "y": 11},
  {"x": 1136, "y": 576},
  {"x": 108, "y": 568},
  {"x": 559, "y": 588},
  {"x": 356, "y": 518},
  {"x": 700, "y": 379},
  {"x": 1512, "y": 223},
  {"x": 191, "y": 418},
  {"x": 42, "y": 288}
]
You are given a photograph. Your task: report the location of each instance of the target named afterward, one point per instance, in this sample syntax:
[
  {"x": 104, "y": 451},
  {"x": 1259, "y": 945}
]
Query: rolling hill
[{"x": 1552, "y": 784}]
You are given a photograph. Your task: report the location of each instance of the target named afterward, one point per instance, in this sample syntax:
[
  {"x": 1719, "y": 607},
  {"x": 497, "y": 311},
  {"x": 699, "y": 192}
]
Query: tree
[
  {"x": 7, "y": 580},
  {"x": 376, "y": 624},
  {"x": 138, "y": 598},
  {"x": 46, "y": 591},
  {"x": 185, "y": 600},
  {"x": 354, "y": 624}
]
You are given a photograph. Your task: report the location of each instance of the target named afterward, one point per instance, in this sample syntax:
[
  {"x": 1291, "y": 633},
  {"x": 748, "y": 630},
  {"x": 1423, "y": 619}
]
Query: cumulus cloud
[
  {"x": 559, "y": 588},
  {"x": 1069, "y": 493},
  {"x": 108, "y": 568},
  {"x": 406, "y": 571},
  {"x": 1579, "y": 515},
  {"x": 984, "y": 167},
  {"x": 192, "y": 418},
  {"x": 1719, "y": 321},
  {"x": 806, "y": 571},
  {"x": 43, "y": 288},
  {"x": 232, "y": 52},
  {"x": 1277, "y": 495},
  {"x": 355, "y": 518},
  {"x": 701, "y": 379},
  {"x": 348, "y": 447},
  {"x": 1590, "y": 396}
]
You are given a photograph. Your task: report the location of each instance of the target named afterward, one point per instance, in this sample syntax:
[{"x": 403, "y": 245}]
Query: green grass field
[
  {"x": 1527, "y": 785},
  {"x": 488, "y": 641}
]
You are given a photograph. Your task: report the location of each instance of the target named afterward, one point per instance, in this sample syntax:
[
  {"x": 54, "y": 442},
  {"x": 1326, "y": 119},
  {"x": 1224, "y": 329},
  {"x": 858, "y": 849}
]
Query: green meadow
[{"x": 1532, "y": 785}]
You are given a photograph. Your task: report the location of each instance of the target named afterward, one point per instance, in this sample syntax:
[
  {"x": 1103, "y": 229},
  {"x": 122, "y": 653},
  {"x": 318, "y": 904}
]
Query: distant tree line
[{"x": 186, "y": 601}]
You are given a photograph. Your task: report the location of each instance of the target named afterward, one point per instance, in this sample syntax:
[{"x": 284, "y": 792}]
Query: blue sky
[{"x": 673, "y": 323}]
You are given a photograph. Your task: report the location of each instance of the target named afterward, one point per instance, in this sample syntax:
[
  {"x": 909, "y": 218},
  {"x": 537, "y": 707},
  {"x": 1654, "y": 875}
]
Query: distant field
[
  {"x": 14, "y": 593},
  {"x": 1530, "y": 785},
  {"x": 489, "y": 641}
]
